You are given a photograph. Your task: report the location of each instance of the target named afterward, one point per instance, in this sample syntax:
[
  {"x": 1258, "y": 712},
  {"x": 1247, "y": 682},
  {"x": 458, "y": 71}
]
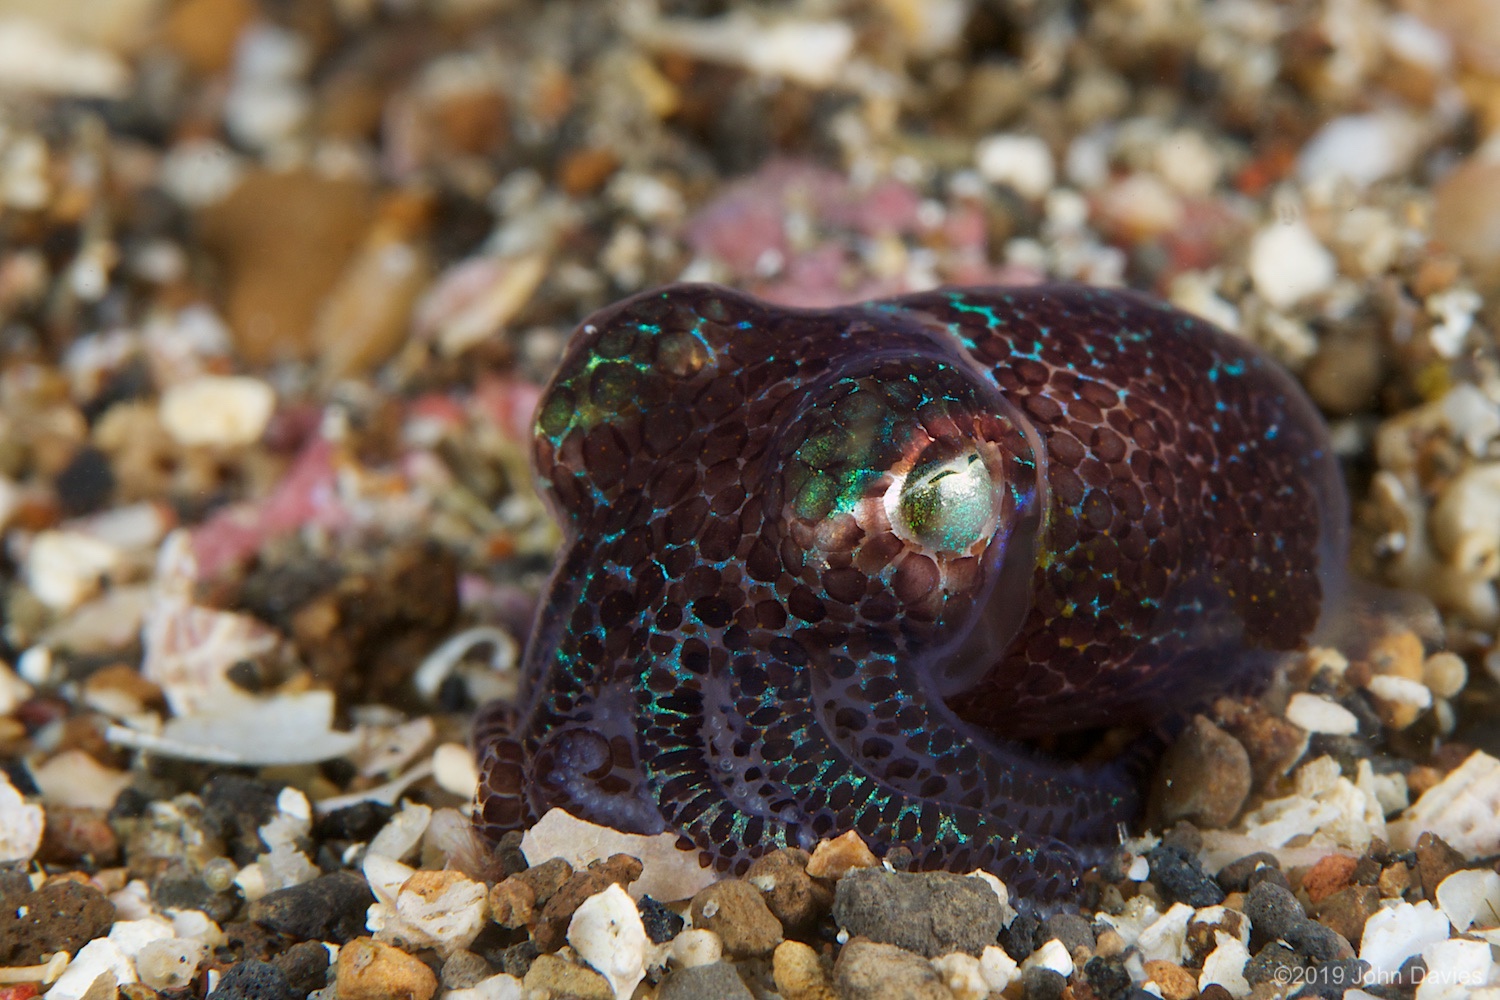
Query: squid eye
[{"x": 944, "y": 505}]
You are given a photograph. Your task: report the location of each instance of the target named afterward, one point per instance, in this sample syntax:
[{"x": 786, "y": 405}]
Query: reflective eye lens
[{"x": 945, "y": 505}]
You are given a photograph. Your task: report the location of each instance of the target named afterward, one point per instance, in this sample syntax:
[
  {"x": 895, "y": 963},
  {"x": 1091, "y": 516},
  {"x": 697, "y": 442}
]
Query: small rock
[
  {"x": 1022, "y": 162},
  {"x": 792, "y": 894},
  {"x": 1071, "y": 929},
  {"x": 224, "y": 411},
  {"x": 1346, "y": 910},
  {"x": 737, "y": 912},
  {"x": 180, "y": 889},
  {"x": 606, "y": 932},
  {"x": 1435, "y": 862},
  {"x": 1226, "y": 966},
  {"x": 463, "y": 969},
  {"x": 544, "y": 879},
  {"x": 1288, "y": 264},
  {"x": 1394, "y": 880},
  {"x": 1041, "y": 983},
  {"x": 869, "y": 970},
  {"x": 370, "y": 970},
  {"x": 1108, "y": 978},
  {"x": 661, "y": 924},
  {"x": 718, "y": 981},
  {"x": 1181, "y": 878},
  {"x": 799, "y": 974},
  {"x": 1466, "y": 215},
  {"x": 305, "y": 966},
  {"x": 1273, "y": 743},
  {"x": 1174, "y": 982},
  {"x": 254, "y": 981},
  {"x": 1273, "y": 913},
  {"x": 329, "y": 908},
  {"x": 1461, "y": 809},
  {"x": 832, "y": 858},
  {"x": 931, "y": 913},
  {"x": 1275, "y": 963},
  {"x": 444, "y": 910},
  {"x": 21, "y": 823},
  {"x": 63, "y": 915},
  {"x": 1328, "y": 876},
  {"x": 1204, "y": 778},
  {"x": 101, "y": 961},
  {"x": 552, "y": 922},
  {"x": 697, "y": 946},
  {"x": 1235, "y": 876},
  {"x": 1393, "y": 935},
  {"x": 1468, "y": 896},
  {"x": 551, "y": 978},
  {"x": 512, "y": 903}
]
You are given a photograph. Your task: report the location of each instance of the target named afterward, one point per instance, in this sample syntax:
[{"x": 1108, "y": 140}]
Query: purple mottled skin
[{"x": 842, "y": 569}]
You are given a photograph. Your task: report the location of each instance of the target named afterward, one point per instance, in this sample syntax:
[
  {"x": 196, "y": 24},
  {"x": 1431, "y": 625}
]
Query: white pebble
[
  {"x": 221, "y": 410},
  {"x": 20, "y": 824},
  {"x": 13, "y": 690},
  {"x": 1361, "y": 149},
  {"x": 607, "y": 932},
  {"x": 962, "y": 975},
  {"x": 1053, "y": 955},
  {"x": 1455, "y": 969},
  {"x": 998, "y": 968},
  {"x": 697, "y": 946},
  {"x": 453, "y": 769},
  {"x": 1317, "y": 714},
  {"x": 99, "y": 960},
  {"x": 1023, "y": 162},
  {"x": 1400, "y": 690},
  {"x": 1288, "y": 264},
  {"x": 1139, "y": 870},
  {"x": 170, "y": 963},
  {"x": 75, "y": 779},
  {"x": 1470, "y": 895},
  {"x": 1393, "y": 935},
  {"x": 64, "y": 568},
  {"x": 1166, "y": 938},
  {"x": 1225, "y": 965}
]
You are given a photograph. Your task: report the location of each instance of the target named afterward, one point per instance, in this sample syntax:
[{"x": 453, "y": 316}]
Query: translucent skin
[{"x": 754, "y": 638}]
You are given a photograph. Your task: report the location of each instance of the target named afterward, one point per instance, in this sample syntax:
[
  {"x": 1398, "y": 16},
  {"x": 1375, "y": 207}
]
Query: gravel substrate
[{"x": 279, "y": 284}]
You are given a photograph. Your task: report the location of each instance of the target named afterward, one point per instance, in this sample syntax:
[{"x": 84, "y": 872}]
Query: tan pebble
[
  {"x": 697, "y": 946},
  {"x": 800, "y": 974},
  {"x": 1399, "y": 655},
  {"x": 284, "y": 239},
  {"x": 1394, "y": 880},
  {"x": 866, "y": 969},
  {"x": 737, "y": 912},
  {"x": 586, "y": 170},
  {"x": 792, "y": 894},
  {"x": 1176, "y": 983},
  {"x": 367, "y": 314},
  {"x": 832, "y": 858},
  {"x": 1445, "y": 674},
  {"x": 551, "y": 978},
  {"x": 203, "y": 33},
  {"x": 1109, "y": 944},
  {"x": 370, "y": 970}
]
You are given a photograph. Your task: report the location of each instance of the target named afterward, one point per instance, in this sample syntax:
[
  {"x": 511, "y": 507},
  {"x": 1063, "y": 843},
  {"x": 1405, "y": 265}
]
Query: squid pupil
[{"x": 948, "y": 506}]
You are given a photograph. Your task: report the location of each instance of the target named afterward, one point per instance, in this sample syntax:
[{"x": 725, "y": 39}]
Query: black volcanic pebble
[
  {"x": 253, "y": 981},
  {"x": 662, "y": 925},
  {"x": 1181, "y": 878},
  {"x": 329, "y": 908}
]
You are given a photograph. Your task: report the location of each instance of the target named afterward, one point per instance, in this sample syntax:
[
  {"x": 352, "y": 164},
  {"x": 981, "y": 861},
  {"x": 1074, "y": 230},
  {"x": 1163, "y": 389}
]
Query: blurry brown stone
[
  {"x": 737, "y": 912},
  {"x": 284, "y": 239},
  {"x": 370, "y": 970},
  {"x": 1273, "y": 744},
  {"x": 584, "y": 171},
  {"x": 204, "y": 32},
  {"x": 512, "y": 903},
  {"x": 1347, "y": 910},
  {"x": 795, "y": 897},
  {"x": 1176, "y": 983},
  {"x": 475, "y": 121},
  {"x": 1436, "y": 860},
  {"x": 1466, "y": 217},
  {"x": 1204, "y": 778},
  {"x": 366, "y": 316},
  {"x": 1394, "y": 880},
  {"x": 77, "y": 836}
]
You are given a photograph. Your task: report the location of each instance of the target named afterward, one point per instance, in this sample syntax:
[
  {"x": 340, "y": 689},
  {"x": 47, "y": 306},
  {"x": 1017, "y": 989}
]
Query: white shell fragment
[
  {"x": 1288, "y": 264},
  {"x": 607, "y": 932},
  {"x": 1470, "y": 896},
  {"x": 1456, "y": 969},
  {"x": 65, "y": 568},
  {"x": 1317, "y": 714},
  {"x": 1463, "y": 809},
  {"x": 221, "y": 410},
  {"x": 282, "y": 729},
  {"x": 444, "y": 910},
  {"x": 1225, "y": 965},
  {"x": 73, "y": 778},
  {"x": 100, "y": 960},
  {"x": 1393, "y": 935},
  {"x": 667, "y": 873},
  {"x": 402, "y": 833}
]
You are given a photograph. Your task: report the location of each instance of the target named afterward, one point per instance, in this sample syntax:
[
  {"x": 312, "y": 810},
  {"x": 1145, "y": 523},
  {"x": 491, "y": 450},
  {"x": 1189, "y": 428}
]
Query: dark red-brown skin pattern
[{"x": 738, "y": 647}]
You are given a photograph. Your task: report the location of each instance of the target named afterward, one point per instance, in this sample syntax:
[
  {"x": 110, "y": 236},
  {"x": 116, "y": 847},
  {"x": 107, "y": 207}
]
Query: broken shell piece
[
  {"x": 607, "y": 932},
  {"x": 225, "y": 411}
]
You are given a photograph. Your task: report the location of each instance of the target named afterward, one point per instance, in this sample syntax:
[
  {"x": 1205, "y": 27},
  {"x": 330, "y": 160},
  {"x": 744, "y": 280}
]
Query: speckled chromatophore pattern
[{"x": 842, "y": 569}]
